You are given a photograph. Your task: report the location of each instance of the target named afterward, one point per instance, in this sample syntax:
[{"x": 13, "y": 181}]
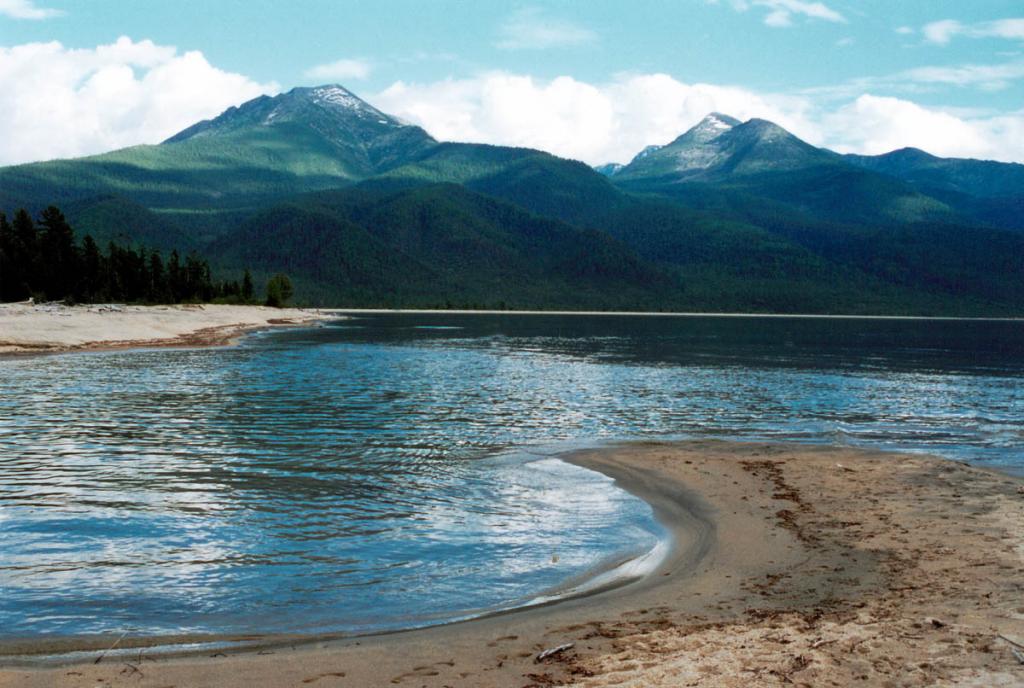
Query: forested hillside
[{"x": 362, "y": 209}]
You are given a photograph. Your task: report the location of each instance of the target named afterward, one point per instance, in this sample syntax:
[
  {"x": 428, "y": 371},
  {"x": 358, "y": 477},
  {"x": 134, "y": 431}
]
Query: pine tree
[
  {"x": 50, "y": 264},
  {"x": 9, "y": 290},
  {"x": 279, "y": 290},
  {"x": 58, "y": 264},
  {"x": 91, "y": 285},
  {"x": 114, "y": 286},
  {"x": 247, "y": 287},
  {"x": 175, "y": 280},
  {"x": 26, "y": 255},
  {"x": 158, "y": 291}
]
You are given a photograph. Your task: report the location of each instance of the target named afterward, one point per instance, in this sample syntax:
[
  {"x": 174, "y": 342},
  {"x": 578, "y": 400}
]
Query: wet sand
[
  {"x": 793, "y": 565},
  {"x": 54, "y": 328}
]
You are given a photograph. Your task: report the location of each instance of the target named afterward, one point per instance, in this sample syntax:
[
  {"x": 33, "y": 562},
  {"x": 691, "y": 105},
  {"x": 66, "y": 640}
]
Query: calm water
[{"x": 394, "y": 470}]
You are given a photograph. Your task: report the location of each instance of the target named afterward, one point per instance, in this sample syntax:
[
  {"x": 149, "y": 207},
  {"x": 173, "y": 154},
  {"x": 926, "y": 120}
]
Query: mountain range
[{"x": 363, "y": 209}]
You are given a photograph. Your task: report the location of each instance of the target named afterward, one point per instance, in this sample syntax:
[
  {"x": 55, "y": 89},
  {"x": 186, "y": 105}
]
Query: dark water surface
[{"x": 393, "y": 470}]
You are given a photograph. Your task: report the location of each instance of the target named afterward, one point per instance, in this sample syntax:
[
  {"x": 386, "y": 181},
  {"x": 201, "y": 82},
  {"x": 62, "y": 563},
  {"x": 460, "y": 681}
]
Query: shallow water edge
[{"x": 687, "y": 536}]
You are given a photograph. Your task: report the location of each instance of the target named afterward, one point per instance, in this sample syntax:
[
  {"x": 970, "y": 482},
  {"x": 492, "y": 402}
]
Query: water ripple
[{"x": 352, "y": 477}]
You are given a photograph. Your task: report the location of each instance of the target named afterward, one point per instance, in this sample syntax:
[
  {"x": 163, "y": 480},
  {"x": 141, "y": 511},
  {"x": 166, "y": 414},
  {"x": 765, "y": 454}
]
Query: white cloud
[
  {"x": 989, "y": 77},
  {"x": 340, "y": 70},
  {"x": 943, "y": 31},
  {"x": 532, "y": 29},
  {"x": 873, "y": 125},
  {"x": 928, "y": 78},
  {"x": 904, "y": 30},
  {"x": 571, "y": 118},
  {"x": 1005, "y": 28},
  {"x": 780, "y": 12},
  {"x": 62, "y": 102},
  {"x": 26, "y": 9},
  {"x": 611, "y": 122}
]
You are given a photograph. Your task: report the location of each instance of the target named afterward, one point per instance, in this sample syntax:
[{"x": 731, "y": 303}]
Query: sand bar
[
  {"x": 48, "y": 328},
  {"x": 794, "y": 565}
]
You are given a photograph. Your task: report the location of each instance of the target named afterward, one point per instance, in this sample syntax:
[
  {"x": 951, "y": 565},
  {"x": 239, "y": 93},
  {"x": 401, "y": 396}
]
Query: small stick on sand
[
  {"x": 551, "y": 652},
  {"x": 116, "y": 643},
  {"x": 1012, "y": 641}
]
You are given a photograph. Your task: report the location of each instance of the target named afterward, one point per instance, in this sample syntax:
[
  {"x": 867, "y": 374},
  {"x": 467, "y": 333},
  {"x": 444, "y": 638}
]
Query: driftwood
[
  {"x": 116, "y": 643},
  {"x": 551, "y": 652},
  {"x": 1012, "y": 641}
]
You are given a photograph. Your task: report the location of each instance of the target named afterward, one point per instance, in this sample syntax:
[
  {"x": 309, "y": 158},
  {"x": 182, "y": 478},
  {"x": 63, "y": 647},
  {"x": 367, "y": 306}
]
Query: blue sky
[{"x": 949, "y": 75}]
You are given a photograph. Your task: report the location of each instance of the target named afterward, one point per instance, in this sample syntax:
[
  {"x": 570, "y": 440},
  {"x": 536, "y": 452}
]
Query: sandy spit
[
  {"x": 795, "y": 565},
  {"x": 52, "y": 328}
]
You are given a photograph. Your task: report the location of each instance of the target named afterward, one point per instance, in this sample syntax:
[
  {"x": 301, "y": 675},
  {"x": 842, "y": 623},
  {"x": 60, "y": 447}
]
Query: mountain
[
  {"x": 720, "y": 146},
  {"x": 990, "y": 191},
  {"x": 745, "y": 165},
  {"x": 363, "y": 209},
  {"x": 328, "y": 121},
  {"x": 609, "y": 169},
  {"x": 983, "y": 178},
  {"x": 436, "y": 244},
  {"x": 270, "y": 147}
]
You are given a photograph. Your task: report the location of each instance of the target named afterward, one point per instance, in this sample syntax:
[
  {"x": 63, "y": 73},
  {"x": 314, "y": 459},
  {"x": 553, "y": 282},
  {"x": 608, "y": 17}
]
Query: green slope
[
  {"x": 268, "y": 149},
  {"x": 439, "y": 244},
  {"x": 992, "y": 192},
  {"x": 363, "y": 209}
]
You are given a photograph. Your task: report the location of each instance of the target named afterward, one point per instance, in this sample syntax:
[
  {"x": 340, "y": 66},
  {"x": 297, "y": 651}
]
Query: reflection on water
[{"x": 352, "y": 478}]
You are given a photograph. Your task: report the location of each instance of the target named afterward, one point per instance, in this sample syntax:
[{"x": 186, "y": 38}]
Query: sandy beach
[
  {"x": 51, "y": 328},
  {"x": 793, "y": 565}
]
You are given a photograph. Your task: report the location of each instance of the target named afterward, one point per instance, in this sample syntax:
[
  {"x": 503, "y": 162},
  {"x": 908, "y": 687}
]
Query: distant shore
[
  {"x": 664, "y": 314},
  {"x": 792, "y": 565},
  {"x": 54, "y": 328}
]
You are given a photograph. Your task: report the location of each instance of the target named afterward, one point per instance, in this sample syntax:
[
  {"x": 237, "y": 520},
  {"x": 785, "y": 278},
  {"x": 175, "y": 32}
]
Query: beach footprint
[
  {"x": 503, "y": 638},
  {"x": 423, "y": 671},
  {"x": 329, "y": 674}
]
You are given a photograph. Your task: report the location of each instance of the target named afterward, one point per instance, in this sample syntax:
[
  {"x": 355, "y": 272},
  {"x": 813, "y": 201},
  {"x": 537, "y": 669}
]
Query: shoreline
[
  {"x": 786, "y": 556},
  {"x": 27, "y": 329},
  {"x": 667, "y": 314},
  {"x": 684, "y": 517}
]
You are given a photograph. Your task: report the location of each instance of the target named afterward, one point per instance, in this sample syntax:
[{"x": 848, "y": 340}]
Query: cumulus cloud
[
  {"x": 340, "y": 70},
  {"x": 532, "y": 29},
  {"x": 60, "y": 102},
  {"x": 612, "y": 121},
  {"x": 943, "y": 31},
  {"x": 780, "y": 13},
  {"x": 873, "y": 125},
  {"x": 568, "y": 117},
  {"x": 26, "y": 9}
]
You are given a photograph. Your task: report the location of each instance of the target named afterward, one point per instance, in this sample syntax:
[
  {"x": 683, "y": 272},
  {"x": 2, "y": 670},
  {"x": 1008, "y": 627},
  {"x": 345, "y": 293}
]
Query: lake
[{"x": 396, "y": 470}]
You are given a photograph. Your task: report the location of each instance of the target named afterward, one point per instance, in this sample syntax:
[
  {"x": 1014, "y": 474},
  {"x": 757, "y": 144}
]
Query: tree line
[{"x": 42, "y": 260}]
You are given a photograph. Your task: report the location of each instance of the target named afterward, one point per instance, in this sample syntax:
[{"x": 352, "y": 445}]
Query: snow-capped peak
[
  {"x": 647, "y": 151},
  {"x": 714, "y": 121},
  {"x": 336, "y": 95}
]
